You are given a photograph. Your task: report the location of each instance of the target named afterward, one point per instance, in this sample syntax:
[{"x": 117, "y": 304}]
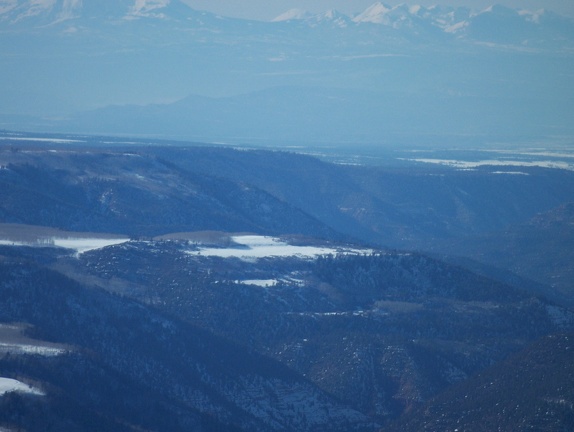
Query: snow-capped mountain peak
[
  {"x": 332, "y": 14},
  {"x": 293, "y": 14},
  {"x": 44, "y": 12},
  {"x": 334, "y": 17},
  {"x": 18, "y": 11},
  {"x": 499, "y": 10},
  {"x": 147, "y": 7},
  {"x": 400, "y": 16},
  {"x": 375, "y": 13},
  {"x": 416, "y": 9}
]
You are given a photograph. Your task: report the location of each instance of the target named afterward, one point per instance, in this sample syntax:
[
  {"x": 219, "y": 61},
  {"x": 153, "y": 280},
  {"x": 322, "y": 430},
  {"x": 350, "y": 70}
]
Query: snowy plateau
[{"x": 249, "y": 247}]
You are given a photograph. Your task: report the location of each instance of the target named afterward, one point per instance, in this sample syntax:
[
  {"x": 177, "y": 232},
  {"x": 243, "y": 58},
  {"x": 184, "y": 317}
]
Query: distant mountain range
[
  {"x": 405, "y": 69},
  {"x": 59, "y": 11},
  {"x": 496, "y": 23},
  {"x": 457, "y": 21}
]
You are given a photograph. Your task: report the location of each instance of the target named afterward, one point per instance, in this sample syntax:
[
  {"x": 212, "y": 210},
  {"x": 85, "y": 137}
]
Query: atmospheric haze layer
[{"x": 164, "y": 69}]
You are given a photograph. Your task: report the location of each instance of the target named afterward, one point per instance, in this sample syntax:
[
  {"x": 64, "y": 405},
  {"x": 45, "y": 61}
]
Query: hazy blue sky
[{"x": 268, "y": 9}]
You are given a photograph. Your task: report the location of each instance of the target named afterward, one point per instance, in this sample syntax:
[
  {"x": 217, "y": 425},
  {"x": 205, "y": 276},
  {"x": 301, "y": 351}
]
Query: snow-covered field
[
  {"x": 14, "y": 341},
  {"x": 263, "y": 283},
  {"x": 253, "y": 247},
  {"x": 460, "y": 164},
  {"x": 38, "y": 139},
  {"x": 10, "y": 385},
  {"x": 16, "y": 348},
  {"x": 558, "y": 158},
  {"x": 267, "y": 283},
  {"x": 80, "y": 245}
]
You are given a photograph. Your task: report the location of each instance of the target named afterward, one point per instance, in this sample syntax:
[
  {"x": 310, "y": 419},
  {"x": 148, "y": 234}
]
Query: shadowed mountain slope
[{"x": 530, "y": 390}]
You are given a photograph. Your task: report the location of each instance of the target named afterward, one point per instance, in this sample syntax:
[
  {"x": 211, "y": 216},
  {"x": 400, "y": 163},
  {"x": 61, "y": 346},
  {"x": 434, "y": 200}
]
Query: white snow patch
[
  {"x": 263, "y": 283},
  {"x": 249, "y": 247},
  {"x": 80, "y": 245},
  {"x": 456, "y": 27},
  {"x": 415, "y": 9},
  {"x": 267, "y": 283},
  {"x": 9, "y": 385},
  {"x": 145, "y": 7},
  {"x": 292, "y": 14},
  {"x": 537, "y": 153},
  {"x": 13, "y": 341},
  {"x": 46, "y": 351},
  {"x": 52, "y": 140},
  {"x": 510, "y": 172},
  {"x": 11, "y": 243},
  {"x": 376, "y": 13},
  {"x": 475, "y": 164}
]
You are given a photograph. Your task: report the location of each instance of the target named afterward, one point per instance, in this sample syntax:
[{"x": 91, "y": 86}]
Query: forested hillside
[{"x": 182, "y": 287}]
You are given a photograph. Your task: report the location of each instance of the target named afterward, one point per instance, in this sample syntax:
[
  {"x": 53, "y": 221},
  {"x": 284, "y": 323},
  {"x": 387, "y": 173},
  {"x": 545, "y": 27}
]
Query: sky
[{"x": 266, "y": 10}]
